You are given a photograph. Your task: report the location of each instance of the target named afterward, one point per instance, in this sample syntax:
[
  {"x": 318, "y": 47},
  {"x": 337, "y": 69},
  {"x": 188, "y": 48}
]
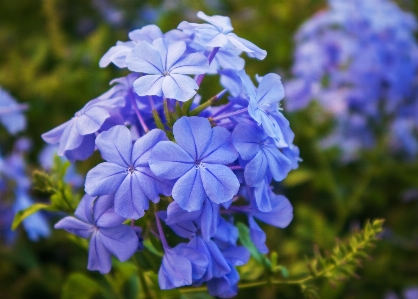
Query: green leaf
[
  {"x": 148, "y": 245},
  {"x": 79, "y": 286},
  {"x": 23, "y": 214},
  {"x": 298, "y": 177}
]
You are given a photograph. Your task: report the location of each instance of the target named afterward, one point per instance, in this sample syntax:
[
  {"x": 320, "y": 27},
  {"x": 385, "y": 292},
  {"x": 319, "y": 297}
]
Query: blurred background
[{"x": 49, "y": 57}]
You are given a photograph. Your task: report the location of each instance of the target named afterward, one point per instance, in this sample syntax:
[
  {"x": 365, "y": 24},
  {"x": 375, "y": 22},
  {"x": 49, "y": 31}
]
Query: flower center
[
  {"x": 166, "y": 73},
  {"x": 199, "y": 164},
  {"x": 131, "y": 169}
]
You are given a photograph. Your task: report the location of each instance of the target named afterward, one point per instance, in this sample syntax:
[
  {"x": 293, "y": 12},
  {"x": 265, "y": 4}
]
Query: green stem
[{"x": 143, "y": 281}]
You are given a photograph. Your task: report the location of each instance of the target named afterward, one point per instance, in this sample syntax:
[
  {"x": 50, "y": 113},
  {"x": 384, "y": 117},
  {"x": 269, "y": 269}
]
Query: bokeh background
[{"x": 49, "y": 57}]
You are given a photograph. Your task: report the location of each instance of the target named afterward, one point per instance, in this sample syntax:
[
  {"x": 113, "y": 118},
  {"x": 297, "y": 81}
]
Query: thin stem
[
  {"x": 142, "y": 280},
  {"x": 151, "y": 101},
  {"x": 235, "y": 167},
  {"x": 161, "y": 232},
  {"x": 19, "y": 107},
  {"x": 225, "y": 107},
  {"x": 138, "y": 114},
  {"x": 212, "y": 55},
  {"x": 230, "y": 114}
]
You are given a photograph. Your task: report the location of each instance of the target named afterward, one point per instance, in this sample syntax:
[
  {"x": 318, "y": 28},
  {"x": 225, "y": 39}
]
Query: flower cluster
[
  {"x": 359, "y": 60},
  {"x": 14, "y": 183},
  {"x": 204, "y": 161}
]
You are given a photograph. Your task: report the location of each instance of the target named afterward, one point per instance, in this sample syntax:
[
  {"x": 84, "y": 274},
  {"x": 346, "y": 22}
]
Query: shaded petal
[
  {"x": 279, "y": 165},
  {"x": 236, "y": 255},
  {"x": 179, "y": 87},
  {"x": 175, "y": 214},
  {"x": 149, "y": 85},
  {"x": 247, "y": 140},
  {"x": 91, "y": 121},
  {"x": 256, "y": 170},
  {"x": 191, "y": 64},
  {"x": 169, "y": 161},
  {"x": 188, "y": 191},
  {"x": 120, "y": 240},
  {"x": 174, "y": 52},
  {"x": 75, "y": 227},
  {"x": 262, "y": 196},
  {"x": 104, "y": 179},
  {"x": 193, "y": 134},
  {"x": 270, "y": 92},
  {"x": 84, "y": 209},
  {"x": 220, "y": 182},
  {"x": 247, "y": 46},
  {"x": 99, "y": 257},
  {"x": 142, "y": 147},
  {"x": 70, "y": 138},
  {"x": 177, "y": 269},
  {"x": 209, "y": 219},
  {"x": 281, "y": 213},
  {"x": 223, "y": 24},
  {"x": 130, "y": 200},
  {"x": 220, "y": 150},
  {"x": 145, "y": 58},
  {"x": 55, "y": 134},
  {"x": 152, "y": 185},
  {"x": 257, "y": 236},
  {"x": 115, "y": 145}
]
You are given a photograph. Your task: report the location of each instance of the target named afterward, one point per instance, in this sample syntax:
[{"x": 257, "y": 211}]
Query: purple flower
[
  {"x": 263, "y": 107},
  {"x": 218, "y": 34},
  {"x": 166, "y": 66},
  {"x": 261, "y": 153},
  {"x": 181, "y": 266},
  {"x": 11, "y": 115},
  {"x": 126, "y": 172},
  {"x": 197, "y": 160},
  {"x": 76, "y": 136},
  {"x": 96, "y": 219}
]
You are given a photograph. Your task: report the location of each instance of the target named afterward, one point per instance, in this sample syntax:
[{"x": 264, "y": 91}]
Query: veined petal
[
  {"x": 84, "y": 209},
  {"x": 99, "y": 257},
  {"x": 174, "y": 52},
  {"x": 247, "y": 140},
  {"x": 130, "y": 200},
  {"x": 55, "y": 134},
  {"x": 91, "y": 121},
  {"x": 188, "y": 191},
  {"x": 279, "y": 165},
  {"x": 220, "y": 149},
  {"x": 121, "y": 241},
  {"x": 179, "y": 87},
  {"x": 270, "y": 92},
  {"x": 247, "y": 47},
  {"x": 75, "y": 227},
  {"x": 70, "y": 138},
  {"x": 143, "y": 146},
  {"x": 115, "y": 145},
  {"x": 256, "y": 170},
  {"x": 149, "y": 85},
  {"x": 258, "y": 236},
  {"x": 169, "y": 161},
  {"x": 145, "y": 58},
  {"x": 193, "y": 134},
  {"x": 104, "y": 179},
  {"x": 191, "y": 64},
  {"x": 220, "y": 182},
  {"x": 223, "y": 24},
  {"x": 281, "y": 213}
]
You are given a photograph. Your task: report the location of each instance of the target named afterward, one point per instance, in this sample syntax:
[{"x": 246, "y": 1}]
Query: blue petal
[
  {"x": 91, "y": 121},
  {"x": 191, "y": 64},
  {"x": 83, "y": 151},
  {"x": 115, "y": 145},
  {"x": 143, "y": 146},
  {"x": 145, "y": 58},
  {"x": 270, "y": 92},
  {"x": 117, "y": 54},
  {"x": 257, "y": 236},
  {"x": 130, "y": 201},
  {"x": 188, "y": 191},
  {"x": 147, "y": 33},
  {"x": 220, "y": 182},
  {"x": 84, "y": 209},
  {"x": 53, "y": 136},
  {"x": 223, "y": 24},
  {"x": 220, "y": 149},
  {"x": 104, "y": 179},
  {"x": 236, "y": 255},
  {"x": 120, "y": 240},
  {"x": 169, "y": 161},
  {"x": 278, "y": 164},
  {"x": 193, "y": 134},
  {"x": 209, "y": 219},
  {"x": 256, "y": 170},
  {"x": 281, "y": 213},
  {"x": 248, "y": 47},
  {"x": 179, "y": 87},
  {"x": 149, "y": 85},
  {"x": 262, "y": 196},
  {"x": 99, "y": 257},
  {"x": 247, "y": 140},
  {"x": 70, "y": 138},
  {"x": 75, "y": 227},
  {"x": 175, "y": 214},
  {"x": 176, "y": 268}
]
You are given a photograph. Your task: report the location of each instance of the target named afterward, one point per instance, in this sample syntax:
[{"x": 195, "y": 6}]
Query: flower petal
[
  {"x": 104, "y": 179},
  {"x": 188, "y": 191},
  {"x": 115, "y": 145},
  {"x": 220, "y": 182}
]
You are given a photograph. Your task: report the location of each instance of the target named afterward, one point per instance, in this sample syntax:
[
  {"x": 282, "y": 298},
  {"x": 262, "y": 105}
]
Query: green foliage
[{"x": 53, "y": 185}]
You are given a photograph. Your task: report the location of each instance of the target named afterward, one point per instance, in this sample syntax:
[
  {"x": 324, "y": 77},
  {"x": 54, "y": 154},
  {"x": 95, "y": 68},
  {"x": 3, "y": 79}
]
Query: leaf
[
  {"x": 148, "y": 245},
  {"x": 79, "y": 286},
  {"x": 23, "y": 214},
  {"x": 298, "y": 177}
]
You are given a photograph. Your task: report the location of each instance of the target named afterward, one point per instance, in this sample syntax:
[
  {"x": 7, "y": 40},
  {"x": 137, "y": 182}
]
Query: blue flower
[
  {"x": 263, "y": 107},
  {"x": 181, "y": 266},
  {"x": 76, "y": 136},
  {"x": 166, "y": 66},
  {"x": 96, "y": 219},
  {"x": 11, "y": 115},
  {"x": 261, "y": 153},
  {"x": 197, "y": 160},
  {"x": 126, "y": 172},
  {"x": 218, "y": 34}
]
